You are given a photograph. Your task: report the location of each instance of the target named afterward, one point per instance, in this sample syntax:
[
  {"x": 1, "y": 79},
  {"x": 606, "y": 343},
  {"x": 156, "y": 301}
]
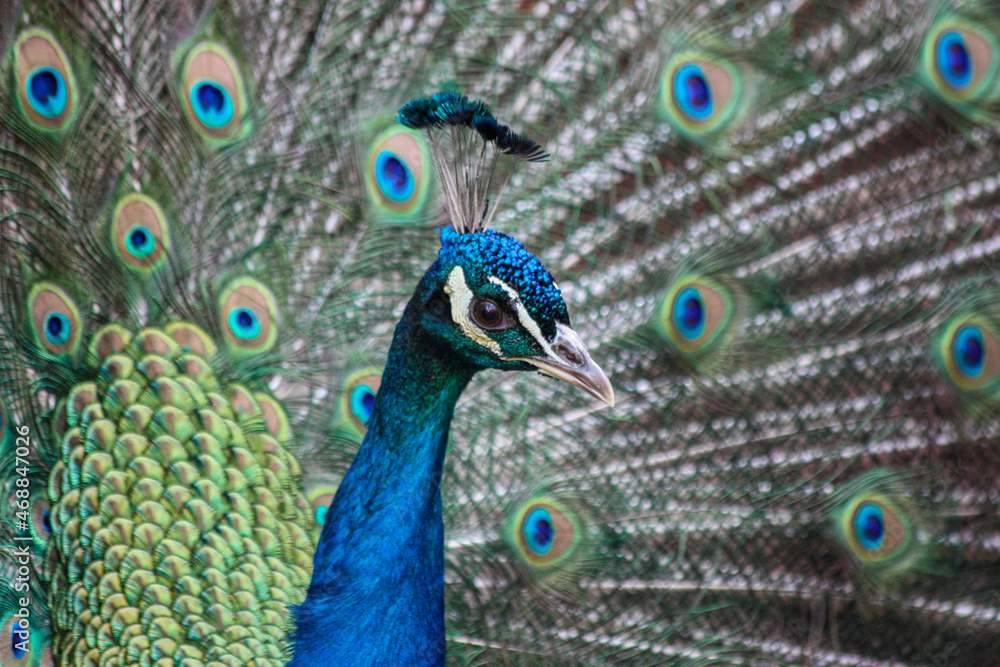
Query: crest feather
[{"x": 466, "y": 157}]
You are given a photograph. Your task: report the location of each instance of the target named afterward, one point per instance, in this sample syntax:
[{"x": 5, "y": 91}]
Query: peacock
[
  {"x": 484, "y": 303},
  {"x": 239, "y": 240}
]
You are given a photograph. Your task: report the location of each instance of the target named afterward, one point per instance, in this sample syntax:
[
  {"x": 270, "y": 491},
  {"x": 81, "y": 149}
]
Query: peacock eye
[
  {"x": 869, "y": 526},
  {"x": 959, "y": 60},
  {"x": 876, "y": 533},
  {"x": 250, "y": 316},
  {"x": 57, "y": 328},
  {"x": 214, "y": 97},
  {"x": 545, "y": 532},
  {"x": 319, "y": 503},
  {"x": 969, "y": 351},
  {"x": 488, "y": 315},
  {"x": 140, "y": 234},
  {"x": 41, "y": 520},
  {"x": 700, "y": 93},
  {"x": 212, "y": 105},
  {"x": 878, "y": 524},
  {"x": 696, "y": 313},
  {"x": 953, "y": 60},
  {"x": 362, "y": 403},
  {"x": 15, "y": 648},
  {"x": 55, "y": 318},
  {"x": 46, "y": 88},
  {"x": 357, "y": 399},
  {"x": 244, "y": 323},
  {"x": 397, "y": 175}
]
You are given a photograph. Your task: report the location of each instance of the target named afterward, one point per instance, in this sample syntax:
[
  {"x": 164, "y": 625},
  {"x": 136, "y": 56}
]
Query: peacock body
[{"x": 774, "y": 224}]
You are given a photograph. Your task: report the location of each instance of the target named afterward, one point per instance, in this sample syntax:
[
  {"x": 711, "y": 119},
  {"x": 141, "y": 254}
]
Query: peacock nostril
[{"x": 568, "y": 353}]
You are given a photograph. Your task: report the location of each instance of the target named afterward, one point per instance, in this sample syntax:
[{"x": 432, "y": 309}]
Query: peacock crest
[{"x": 466, "y": 161}]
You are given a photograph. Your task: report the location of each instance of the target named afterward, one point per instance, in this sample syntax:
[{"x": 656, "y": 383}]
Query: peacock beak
[{"x": 569, "y": 361}]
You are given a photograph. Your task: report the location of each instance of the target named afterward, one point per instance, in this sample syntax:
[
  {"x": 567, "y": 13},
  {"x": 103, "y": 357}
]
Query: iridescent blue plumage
[
  {"x": 47, "y": 92},
  {"x": 211, "y": 104},
  {"x": 393, "y": 177},
  {"x": 869, "y": 526},
  {"x": 969, "y": 350},
  {"x": 953, "y": 60},
  {"x": 689, "y": 313},
  {"x": 538, "y": 531},
  {"x": 692, "y": 92}
]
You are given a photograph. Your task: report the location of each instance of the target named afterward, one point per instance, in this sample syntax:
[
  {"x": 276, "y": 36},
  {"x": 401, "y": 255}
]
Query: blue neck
[{"x": 377, "y": 590}]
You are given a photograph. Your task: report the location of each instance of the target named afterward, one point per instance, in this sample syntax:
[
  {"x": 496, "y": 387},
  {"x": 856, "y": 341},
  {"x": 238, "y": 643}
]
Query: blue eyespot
[
  {"x": 320, "y": 514},
  {"x": 539, "y": 531},
  {"x": 47, "y": 521},
  {"x": 953, "y": 60},
  {"x": 244, "y": 324},
  {"x": 969, "y": 352},
  {"x": 212, "y": 104},
  {"x": 869, "y": 526},
  {"x": 393, "y": 177},
  {"x": 140, "y": 242},
  {"x": 18, "y": 637},
  {"x": 57, "y": 329},
  {"x": 689, "y": 313},
  {"x": 692, "y": 92},
  {"x": 47, "y": 92},
  {"x": 362, "y": 402}
]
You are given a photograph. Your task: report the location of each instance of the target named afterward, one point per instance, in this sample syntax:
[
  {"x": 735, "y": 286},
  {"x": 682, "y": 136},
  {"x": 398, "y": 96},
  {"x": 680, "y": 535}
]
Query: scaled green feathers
[{"x": 178, "y": 524}]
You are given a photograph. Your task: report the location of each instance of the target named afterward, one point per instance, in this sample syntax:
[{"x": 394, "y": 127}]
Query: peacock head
[
  {"x": 487, "y": 298},
  {"x": 493, "y": 303}
]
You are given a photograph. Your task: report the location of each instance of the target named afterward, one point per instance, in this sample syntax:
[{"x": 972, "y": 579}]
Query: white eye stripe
[
  {"x": 460, "y": 297},
  {"x": 522, "y": 315}
]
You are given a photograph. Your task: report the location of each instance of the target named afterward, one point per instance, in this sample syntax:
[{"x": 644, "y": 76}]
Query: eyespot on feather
[
  {"x": 875, "y": 528},
  {"x": 398, "y": 173},
  {"x": 55, "y": 319},
  {"x": 140, "y": 234},
  {"x": 544, "y": 532},
  {"x": 41, "y": 520},
  {"x": 699, "y": 93},
  {"x": 249, "y": 317},
  {"x": 46, "y": 88},
  {"x": 319, "y": 502},
  {"x": 961, "y": 60},
  {"x": 213, "y": 94},
  {"x": 357, "y": 398},
  {"x": 695, "y": 312},
  {"x": 968, "y": 352},
  {"x": 16, "y": 647}
]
